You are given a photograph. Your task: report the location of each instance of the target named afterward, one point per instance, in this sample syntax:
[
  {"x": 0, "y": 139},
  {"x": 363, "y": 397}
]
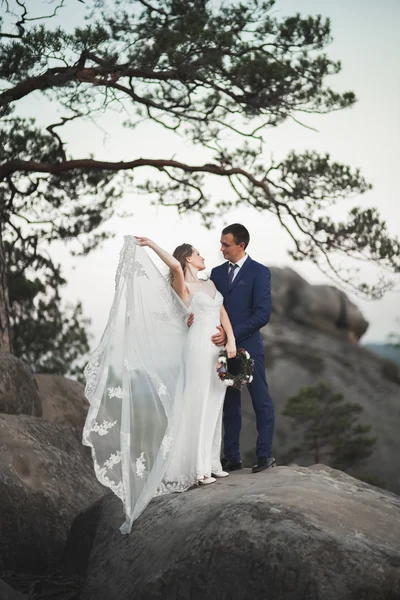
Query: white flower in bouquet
[
  {"x": 228, "y": 382},
  {"x": 222, "y": 359},
  {"x": 250, "y": 379},
  {"x": 247, "y": 355}
]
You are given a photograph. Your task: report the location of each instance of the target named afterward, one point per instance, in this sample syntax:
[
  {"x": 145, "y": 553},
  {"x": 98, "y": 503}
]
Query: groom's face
[{"x": 230, "y": 249}]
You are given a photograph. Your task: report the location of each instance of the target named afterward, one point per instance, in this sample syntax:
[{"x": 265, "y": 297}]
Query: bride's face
[{"x": 196, "y": 260}]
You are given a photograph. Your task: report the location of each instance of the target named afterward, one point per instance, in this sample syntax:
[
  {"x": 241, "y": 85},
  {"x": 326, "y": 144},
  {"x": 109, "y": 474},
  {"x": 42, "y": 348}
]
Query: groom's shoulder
[
  {"x": 260, "y": 268},
  {"x": 218, "y": 268}
]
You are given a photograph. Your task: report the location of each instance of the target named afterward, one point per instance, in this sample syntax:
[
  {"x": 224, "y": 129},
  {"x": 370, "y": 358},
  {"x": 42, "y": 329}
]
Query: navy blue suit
[{"x": 248, "y": 304}]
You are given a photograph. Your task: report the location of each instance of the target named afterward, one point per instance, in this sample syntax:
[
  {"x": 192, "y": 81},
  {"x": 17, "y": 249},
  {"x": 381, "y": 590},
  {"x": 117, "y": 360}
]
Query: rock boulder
[
  {"x": 46, "y": 478},
  {"x": 63, "y": 401},
  {"x": 8, "y": 593},
  {"x": 286, "y": 534},
  {"x": 324, "y": 308}
]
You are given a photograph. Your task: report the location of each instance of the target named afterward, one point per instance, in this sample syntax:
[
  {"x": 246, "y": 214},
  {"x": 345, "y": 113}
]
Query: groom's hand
[
  {"x": 219, "y": 339},
  {"x": 190, "y": 320}
]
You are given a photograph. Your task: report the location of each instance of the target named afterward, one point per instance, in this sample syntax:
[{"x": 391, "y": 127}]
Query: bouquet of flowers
[{"x": 245, "y": 369}]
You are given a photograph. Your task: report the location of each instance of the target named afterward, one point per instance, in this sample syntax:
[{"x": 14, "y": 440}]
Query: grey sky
[{"x": 367, "y": 136}]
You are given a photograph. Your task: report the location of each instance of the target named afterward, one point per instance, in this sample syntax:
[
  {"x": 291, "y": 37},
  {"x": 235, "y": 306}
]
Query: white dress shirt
[{"x": 239, "y": 265}]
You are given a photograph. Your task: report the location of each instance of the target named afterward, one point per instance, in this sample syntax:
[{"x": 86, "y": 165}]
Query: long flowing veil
[{"x": 130, "y": 382}]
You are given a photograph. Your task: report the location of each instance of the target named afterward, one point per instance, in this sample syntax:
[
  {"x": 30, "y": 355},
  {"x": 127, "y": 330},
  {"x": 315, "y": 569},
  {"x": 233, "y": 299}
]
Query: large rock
[
  {"x": 8, "y": 593},
  {"x": 297, "y": 357},
  {"x": 286, "y": 534},
  {"x": 63, "y": 401},
  {"x": 18, "y": 390},
  {"x": 320, "y": 307},
  {"x": 46, "y": 478}
]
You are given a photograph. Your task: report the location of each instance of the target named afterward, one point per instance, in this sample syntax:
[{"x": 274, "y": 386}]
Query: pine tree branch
[
  {"x": 24, "y": 166},
  {"x": 60, "y": 76}
]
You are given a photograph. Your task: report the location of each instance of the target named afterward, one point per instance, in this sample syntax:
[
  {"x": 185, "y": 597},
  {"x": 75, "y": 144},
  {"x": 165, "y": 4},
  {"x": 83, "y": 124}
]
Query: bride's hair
[{"x": 181, "y": 253}]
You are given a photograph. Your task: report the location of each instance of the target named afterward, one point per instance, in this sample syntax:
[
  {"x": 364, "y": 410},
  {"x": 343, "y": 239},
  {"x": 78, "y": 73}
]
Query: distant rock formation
[
  {"x": 321, "y": 307},
  {"x": 303, "y": 346}
]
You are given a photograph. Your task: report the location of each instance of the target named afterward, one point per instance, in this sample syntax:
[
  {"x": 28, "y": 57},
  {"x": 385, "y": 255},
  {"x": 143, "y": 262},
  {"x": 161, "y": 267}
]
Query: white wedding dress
[
  {"x": 199, "y": 395},
  {"x": 155, "y": 416}
]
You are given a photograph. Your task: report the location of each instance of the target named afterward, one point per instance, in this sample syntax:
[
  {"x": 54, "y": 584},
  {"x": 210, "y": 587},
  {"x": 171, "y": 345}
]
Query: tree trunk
[
  {"x": 317, "y": 450},
  {"x": 5, "y": 332}
]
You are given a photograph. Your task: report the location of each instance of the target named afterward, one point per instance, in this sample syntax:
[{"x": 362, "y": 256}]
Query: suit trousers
[{"x": 264, "y": 411}]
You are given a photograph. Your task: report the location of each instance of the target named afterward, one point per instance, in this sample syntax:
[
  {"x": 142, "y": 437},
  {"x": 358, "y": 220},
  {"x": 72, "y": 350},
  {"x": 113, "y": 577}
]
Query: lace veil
[{"x": 131, "y": 379}]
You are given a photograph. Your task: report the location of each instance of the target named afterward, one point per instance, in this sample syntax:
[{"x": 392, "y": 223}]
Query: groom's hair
[{"x": 239, "y": 232}]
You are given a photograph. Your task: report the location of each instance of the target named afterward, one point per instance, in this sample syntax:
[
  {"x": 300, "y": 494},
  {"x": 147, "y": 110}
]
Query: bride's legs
[{"x": 216, "y": 466}]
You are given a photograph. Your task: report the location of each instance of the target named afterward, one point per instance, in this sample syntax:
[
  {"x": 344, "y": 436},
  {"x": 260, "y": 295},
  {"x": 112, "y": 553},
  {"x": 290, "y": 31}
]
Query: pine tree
[
  {"x": 49, "y": 335},
  {"x": 218, "y": 75},
  {"x": 330, "y": 429}
]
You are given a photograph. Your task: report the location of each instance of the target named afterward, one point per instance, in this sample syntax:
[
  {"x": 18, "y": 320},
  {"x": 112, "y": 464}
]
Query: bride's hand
[
  {"x": 144, "y": 241},
  {"x": 230, "y": 349}
]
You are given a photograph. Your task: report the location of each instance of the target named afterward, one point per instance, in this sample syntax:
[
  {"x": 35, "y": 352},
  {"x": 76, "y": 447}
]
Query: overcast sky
[{"x": 366, "y": 136}]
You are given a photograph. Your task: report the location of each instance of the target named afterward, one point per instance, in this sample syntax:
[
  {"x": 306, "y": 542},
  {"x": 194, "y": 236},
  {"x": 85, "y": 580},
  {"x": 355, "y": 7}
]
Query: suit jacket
[{"x": 248, "y": 302}]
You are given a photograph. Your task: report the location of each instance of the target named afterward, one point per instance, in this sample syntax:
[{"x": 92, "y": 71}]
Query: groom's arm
[
  {"x": 219, "y": 339},
  {"x": 261, "y": 306}
]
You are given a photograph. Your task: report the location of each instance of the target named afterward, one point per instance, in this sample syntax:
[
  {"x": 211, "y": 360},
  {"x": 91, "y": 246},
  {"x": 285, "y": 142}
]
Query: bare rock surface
[
  {"x": 8, "y": 593},
  {"x": 63, "y": 401},
  {"x": 18, "y": 389},
  {"x": 46, "y": 478},
  {"x": 285, "y": 534}
]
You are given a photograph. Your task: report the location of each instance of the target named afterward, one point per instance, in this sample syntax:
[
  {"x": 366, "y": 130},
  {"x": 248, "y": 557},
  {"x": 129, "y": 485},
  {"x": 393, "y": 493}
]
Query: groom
[{"x": 246, "y": 288}]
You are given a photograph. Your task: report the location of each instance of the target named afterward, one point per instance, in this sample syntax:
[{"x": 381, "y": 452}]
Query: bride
[{"x": 155, "y": 417}]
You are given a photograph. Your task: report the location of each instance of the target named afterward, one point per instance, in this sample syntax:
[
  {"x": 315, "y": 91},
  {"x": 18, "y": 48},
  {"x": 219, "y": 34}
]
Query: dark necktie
[{"x": 231, "y": 274}]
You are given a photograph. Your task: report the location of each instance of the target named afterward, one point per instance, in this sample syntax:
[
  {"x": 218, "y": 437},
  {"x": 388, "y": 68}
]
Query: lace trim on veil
[{"x": 130, "y": 383}]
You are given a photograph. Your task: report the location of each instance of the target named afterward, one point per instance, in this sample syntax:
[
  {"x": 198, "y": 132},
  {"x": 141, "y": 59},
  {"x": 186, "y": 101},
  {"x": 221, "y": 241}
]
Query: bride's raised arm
[{"x": 178, "y": 282}]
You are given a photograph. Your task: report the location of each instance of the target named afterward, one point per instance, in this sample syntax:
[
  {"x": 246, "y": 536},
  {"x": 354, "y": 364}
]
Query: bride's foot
[
  {"x": 219, "y": 474},
  {"x": 207, "y": 480}
]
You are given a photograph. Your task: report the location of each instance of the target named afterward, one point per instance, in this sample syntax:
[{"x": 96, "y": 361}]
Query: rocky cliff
[{"x": 313, "y": 336}]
